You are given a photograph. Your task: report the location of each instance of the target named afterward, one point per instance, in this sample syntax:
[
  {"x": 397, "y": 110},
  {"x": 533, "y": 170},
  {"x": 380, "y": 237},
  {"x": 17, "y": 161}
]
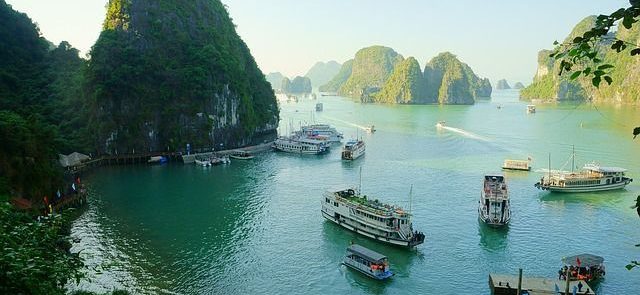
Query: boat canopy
[
  {"x": 598, "y": 168},
  {"x": 366, "y": 253},
  {"x": 585, "y": 260},
  {"x": 496, "y": 177}
]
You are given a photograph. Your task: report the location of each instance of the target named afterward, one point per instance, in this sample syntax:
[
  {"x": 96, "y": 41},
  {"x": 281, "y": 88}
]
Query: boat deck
[{"x": 534, "y": 286}]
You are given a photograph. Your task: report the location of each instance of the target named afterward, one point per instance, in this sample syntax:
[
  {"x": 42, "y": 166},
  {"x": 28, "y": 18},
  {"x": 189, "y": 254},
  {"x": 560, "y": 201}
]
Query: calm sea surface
[{"x": 255, "y": 226}]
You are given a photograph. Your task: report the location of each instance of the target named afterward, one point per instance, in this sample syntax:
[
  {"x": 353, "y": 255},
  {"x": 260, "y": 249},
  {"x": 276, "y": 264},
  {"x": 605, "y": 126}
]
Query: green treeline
[{"x": 379, "y": 74}]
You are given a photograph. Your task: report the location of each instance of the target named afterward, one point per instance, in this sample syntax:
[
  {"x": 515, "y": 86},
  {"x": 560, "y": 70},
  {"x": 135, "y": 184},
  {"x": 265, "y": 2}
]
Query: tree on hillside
[{"x": 585, "y": 51}]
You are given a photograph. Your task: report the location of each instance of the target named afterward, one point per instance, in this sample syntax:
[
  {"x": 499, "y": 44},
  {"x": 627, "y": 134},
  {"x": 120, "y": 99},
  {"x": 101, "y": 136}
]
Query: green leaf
[
  {"x": 605, "y": 66},
  {"x": 627, "y": 21},
  {"x": 608, "y": 79},
  {"x": 630, "y": 266},
  {"x": 577, "y": 39},
  {"x": 596, "y": 81},
  {"x": 635, "y": 51},
  {"x": 598, "y": 73},
  {"x": 555, "y": 42},
  {"x": 575, "y": 75},
  {"x": 586, "y": 71},
  {"x": 573, "y": 52}
]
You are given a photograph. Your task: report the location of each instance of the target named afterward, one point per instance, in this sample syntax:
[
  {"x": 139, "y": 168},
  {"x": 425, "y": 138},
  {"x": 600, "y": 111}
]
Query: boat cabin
[
  {"x": 368, "y": 262},
  {"x": 587, "y": 267}
]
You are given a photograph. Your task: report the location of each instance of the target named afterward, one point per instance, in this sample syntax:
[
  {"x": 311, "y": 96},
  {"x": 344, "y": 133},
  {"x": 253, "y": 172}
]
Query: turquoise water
[{"x": 255, "y": 226}]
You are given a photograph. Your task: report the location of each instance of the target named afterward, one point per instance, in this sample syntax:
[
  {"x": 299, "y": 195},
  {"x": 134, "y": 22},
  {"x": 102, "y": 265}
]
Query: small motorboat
[
  {"x": 367, "y": 262},
  {"x": 370, "y": 129},
  {"x": 440, "y": 124},
  {"x": 241, "y": 155}
]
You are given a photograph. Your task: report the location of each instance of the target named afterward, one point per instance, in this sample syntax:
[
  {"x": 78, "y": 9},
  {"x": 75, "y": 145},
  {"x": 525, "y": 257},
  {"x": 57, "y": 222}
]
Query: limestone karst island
[{"x": 319, "y": 147}]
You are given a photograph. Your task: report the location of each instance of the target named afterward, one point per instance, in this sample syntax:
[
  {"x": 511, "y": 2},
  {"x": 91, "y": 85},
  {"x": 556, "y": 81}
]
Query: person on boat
[
  {"x": 560, "y": 274},
  {"x": 580, "y": 286}
]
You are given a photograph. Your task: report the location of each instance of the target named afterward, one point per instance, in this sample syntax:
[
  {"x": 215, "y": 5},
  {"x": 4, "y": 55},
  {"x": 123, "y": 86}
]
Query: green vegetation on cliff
[
  {"x": 371, "y": 69},
  {"x": 625, "y": 86},
  {"x": 166, "y": 73},
  {"x": 405, "y": 85},
  {"x": 321, "y": 73},
  {"x": 450, "y": 81},
  {"x": 339, "y": 79}
]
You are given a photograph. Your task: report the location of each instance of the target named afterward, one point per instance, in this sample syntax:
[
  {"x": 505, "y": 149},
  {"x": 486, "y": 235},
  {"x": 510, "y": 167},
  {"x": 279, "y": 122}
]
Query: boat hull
[
  {"x": 381, "y": 277},
  {"x": 365, "y": 233},
  {"x": 584, "y": 189},
  {"x": 488, "y": 222}
]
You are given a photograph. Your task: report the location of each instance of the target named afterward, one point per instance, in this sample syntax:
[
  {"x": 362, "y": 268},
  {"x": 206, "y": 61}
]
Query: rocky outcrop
[
  {"x": 547, "y": 85},
  {"x": 502, "y": 84},
  {"x": 299, "y": 85},
  {"x": 321, "y": 73},
  {"x": 165, "y": 73},
  {"x": 518, "y": 85},
  {"x": 450, "y": 81},
  {"x": 371, "y": 69},
  {"x": 275, "y": 79},
  {"x": 406, "y": 85},
  {"x": 339, "y": 79}
]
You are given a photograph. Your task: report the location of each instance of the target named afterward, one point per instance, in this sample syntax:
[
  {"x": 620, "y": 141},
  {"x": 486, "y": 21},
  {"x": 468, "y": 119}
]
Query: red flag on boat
[{"x": 578, "y": 261}]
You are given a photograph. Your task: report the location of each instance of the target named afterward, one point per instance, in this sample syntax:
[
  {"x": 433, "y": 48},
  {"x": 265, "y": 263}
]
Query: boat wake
[
  {"x": 465, "y": 133},
  {"x": 346, "y": 122}
]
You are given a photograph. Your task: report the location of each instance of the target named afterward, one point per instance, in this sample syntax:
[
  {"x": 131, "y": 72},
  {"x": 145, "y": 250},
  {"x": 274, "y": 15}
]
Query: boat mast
[
  {"x": 573, "y": 157},
  {"x": 549, "y": 170},
  {"x": 360, "y": 185}
]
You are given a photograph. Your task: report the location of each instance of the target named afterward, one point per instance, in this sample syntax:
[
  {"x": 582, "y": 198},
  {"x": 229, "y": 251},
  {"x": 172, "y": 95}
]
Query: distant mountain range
[{"x": 380, "y": 74}]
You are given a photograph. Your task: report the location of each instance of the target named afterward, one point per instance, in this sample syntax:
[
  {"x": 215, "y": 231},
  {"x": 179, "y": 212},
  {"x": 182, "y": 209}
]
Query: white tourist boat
[
  {"x": 322, "y": 130},
  {"x": 592, "y": 178},
  {"x": 523, "y": 165},
  {"x": 353, "y": 149},
  {"x": 370, "y": 218},
  {"x": 299, "y": 145},
  {"x": 368, "y": 262},
  {"x": 494, "y": 207}
]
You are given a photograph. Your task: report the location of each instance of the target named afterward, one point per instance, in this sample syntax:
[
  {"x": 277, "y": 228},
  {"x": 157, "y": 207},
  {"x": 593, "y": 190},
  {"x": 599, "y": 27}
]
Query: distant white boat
[
  {"x": 203, "y": 163},
  {"x": 531, "y": 109},
  {"x": 440, "y": 124},
  {"x": 370, "y": 129}
]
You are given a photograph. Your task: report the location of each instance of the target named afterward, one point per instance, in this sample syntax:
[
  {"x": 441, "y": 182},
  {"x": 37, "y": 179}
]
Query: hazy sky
[{"x": 498, "y": 39}]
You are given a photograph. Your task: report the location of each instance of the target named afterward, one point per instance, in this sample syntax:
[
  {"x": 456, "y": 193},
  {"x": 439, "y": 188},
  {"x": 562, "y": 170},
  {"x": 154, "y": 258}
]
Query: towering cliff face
[
  {"x": 518, "y": 85},
  {"x": 625, "y": 88},
  {"x": 450, "y": 81},
  {"x": 405, "y": 85},
  {"x": 165, "y": 73},
  {"x": 371, "y": 69},
  {"x": 321, "y": 72},
  {"x": 339, "y": 79}
]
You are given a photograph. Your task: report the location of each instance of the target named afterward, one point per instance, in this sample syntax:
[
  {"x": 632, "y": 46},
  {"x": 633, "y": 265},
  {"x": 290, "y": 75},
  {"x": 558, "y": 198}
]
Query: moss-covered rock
[
  {"x": 321, "y": 73},
  {"x": 339, "y": 79},
  {"x": 165, "y": 73},
  {"x": 450, "y": 81},
  {"x": 371, "y": 68},
  {"x": 406, "y": 85}
]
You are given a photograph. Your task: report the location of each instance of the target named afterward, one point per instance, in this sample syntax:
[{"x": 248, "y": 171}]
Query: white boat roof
[{"x": 593, "y": 167}]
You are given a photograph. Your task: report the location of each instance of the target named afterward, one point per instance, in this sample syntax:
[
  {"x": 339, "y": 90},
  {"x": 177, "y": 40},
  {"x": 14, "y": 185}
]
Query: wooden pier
[{"x": 507, "y": 285}]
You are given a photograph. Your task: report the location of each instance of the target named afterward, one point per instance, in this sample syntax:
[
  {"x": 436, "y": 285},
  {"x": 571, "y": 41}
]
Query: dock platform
[{"x": 534, "y": 286}]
